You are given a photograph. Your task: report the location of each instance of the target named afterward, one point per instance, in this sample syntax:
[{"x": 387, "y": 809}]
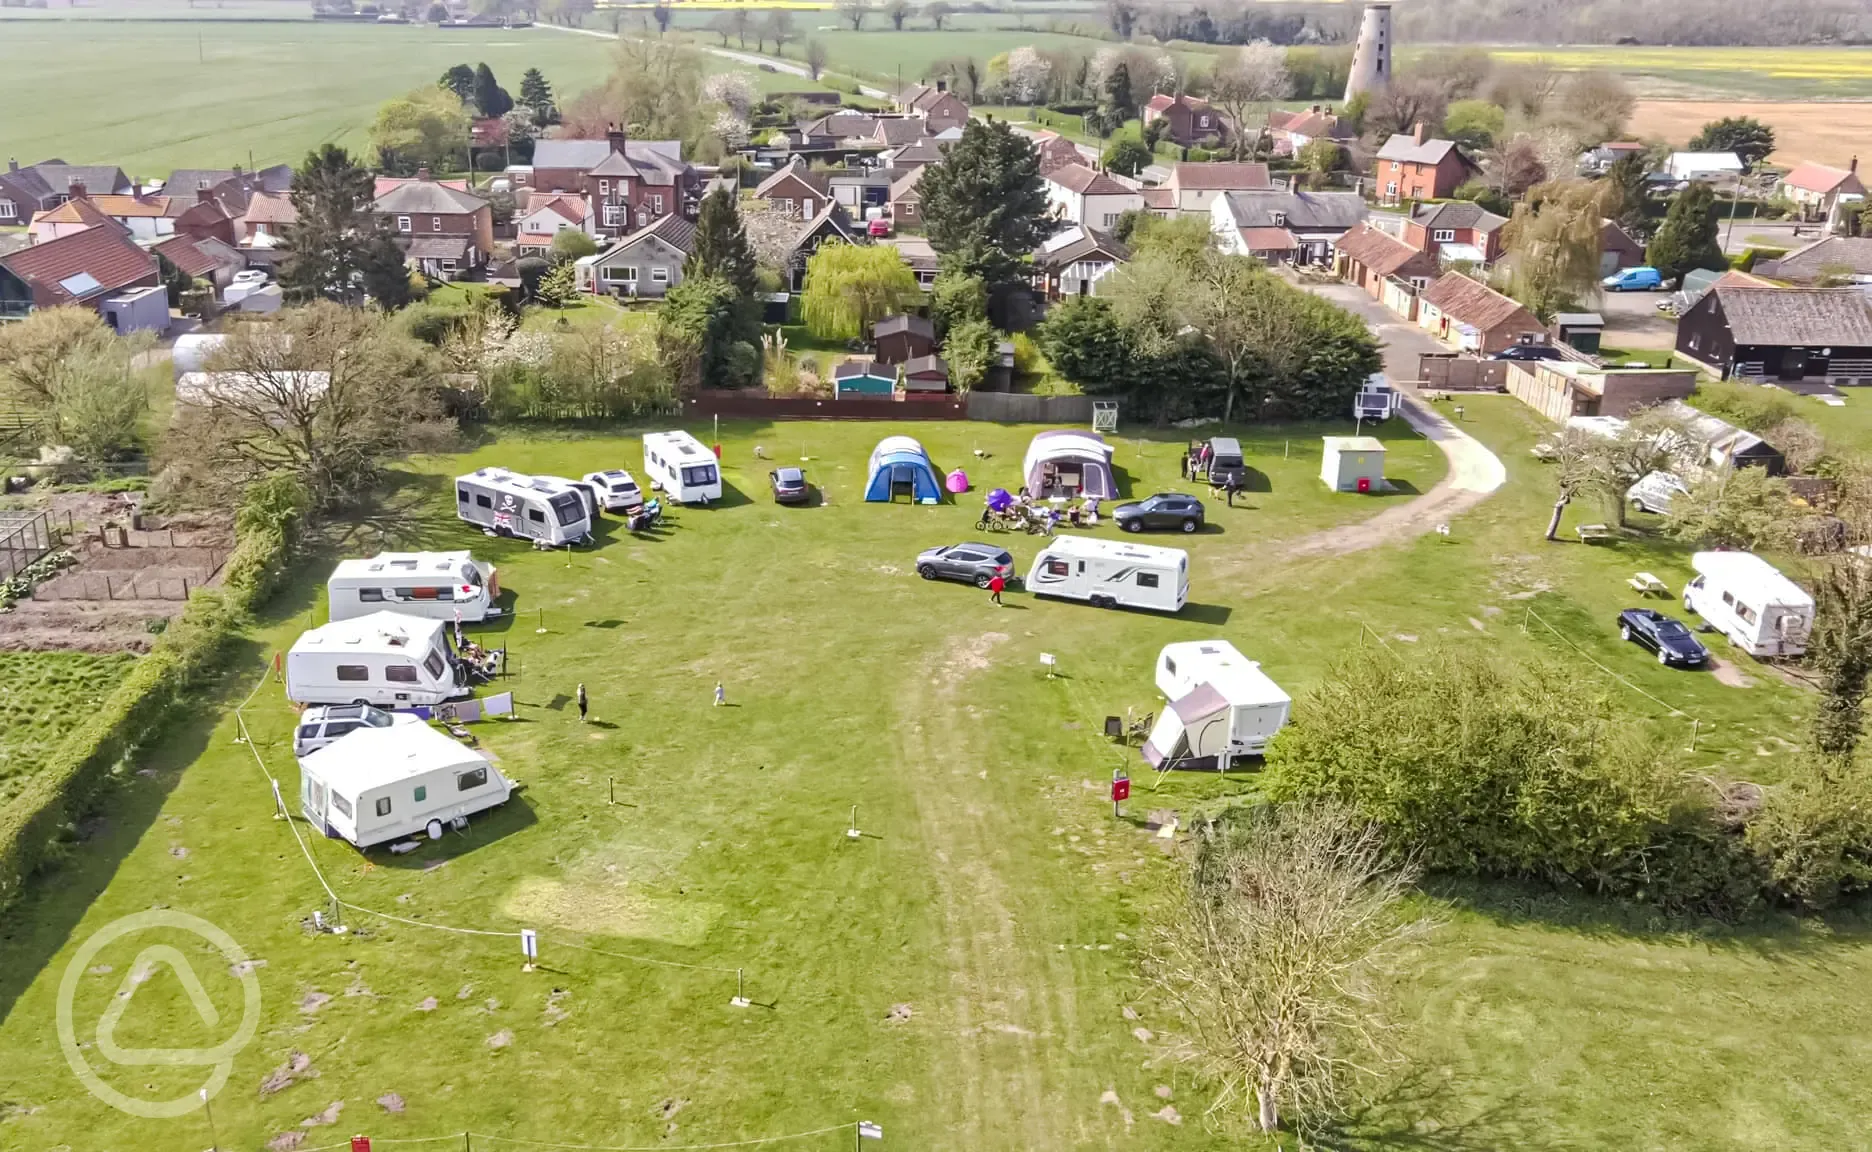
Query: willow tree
[
  {"x": 850, "y": 287},
  {"x": 1555, "y": 243}
]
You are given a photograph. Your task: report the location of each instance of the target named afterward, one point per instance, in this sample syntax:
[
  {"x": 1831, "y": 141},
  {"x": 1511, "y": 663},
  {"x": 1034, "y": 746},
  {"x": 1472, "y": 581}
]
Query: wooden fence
[
  {"x": 994, "y": 407},
  {"x": 1448, "y": 372}
]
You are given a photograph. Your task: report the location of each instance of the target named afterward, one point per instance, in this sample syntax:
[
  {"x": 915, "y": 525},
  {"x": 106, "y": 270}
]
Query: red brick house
[
  {"x": 91, "y": 268},
  {"x": 630, "y": 183},
  {"x": 1056, "y": 151},
  {"x": 795, "y": 190},
  {"x": 1292, "y": 131},
  {"x": 1618, "y": 249},
  {"x": 936, "y": 105},
  {"x": 1375, "y": 260},
  {"x": 1415, "y": 167},
  {"x": 1456, "y": 232},
  {"x": 1191, "y": 121},
  {"x": 447, "y": 233},
  {"x": 49, "y": 183},
  {"x": 1469, "y": 315}
]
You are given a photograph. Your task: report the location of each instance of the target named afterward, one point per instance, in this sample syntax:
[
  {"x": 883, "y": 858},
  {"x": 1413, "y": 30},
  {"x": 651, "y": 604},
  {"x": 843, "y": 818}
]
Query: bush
[
  {"x": 1028, "y": 362},
  {"x": 489, "y": 161},
  {"x": 431, "y": 322},
  {"x": 1755, "y": 408}
]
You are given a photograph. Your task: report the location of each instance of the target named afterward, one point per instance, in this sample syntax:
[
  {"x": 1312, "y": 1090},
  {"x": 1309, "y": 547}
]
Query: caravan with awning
[{"x": 1221, "y": 707}]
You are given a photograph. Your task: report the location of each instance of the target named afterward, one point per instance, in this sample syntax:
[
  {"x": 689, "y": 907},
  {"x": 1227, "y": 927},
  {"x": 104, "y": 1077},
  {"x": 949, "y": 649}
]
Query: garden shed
[
  {"x": 859, "y": 377},
  {"x": 1353, "y": 463},
  {"x": 1579, "y": 330},
  {"x": 899, "y": 464}
]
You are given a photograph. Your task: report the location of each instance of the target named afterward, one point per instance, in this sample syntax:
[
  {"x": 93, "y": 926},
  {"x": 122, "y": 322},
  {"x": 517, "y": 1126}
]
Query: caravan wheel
[
  {"x": 1103, "y": 602},
  {"x": 361, "y": 702},
  {"x": 434, "y": 829}
]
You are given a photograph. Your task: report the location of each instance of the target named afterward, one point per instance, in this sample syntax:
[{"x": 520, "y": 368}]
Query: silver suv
[
  {"x": 324, "y": 723},
  {"x": 975, "y": 564}
]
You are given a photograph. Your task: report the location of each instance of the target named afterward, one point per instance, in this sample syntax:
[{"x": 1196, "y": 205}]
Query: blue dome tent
[{"x": 899, "y": 463}]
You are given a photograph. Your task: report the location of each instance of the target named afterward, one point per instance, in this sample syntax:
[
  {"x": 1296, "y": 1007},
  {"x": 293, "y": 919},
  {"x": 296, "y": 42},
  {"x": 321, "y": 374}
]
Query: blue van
[{"x": 1633, "y": 280}]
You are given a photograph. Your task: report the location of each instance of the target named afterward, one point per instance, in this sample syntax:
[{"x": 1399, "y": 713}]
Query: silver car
[
  {"x": 975, "y": 564},
  {"x": 324, "y": 723}
]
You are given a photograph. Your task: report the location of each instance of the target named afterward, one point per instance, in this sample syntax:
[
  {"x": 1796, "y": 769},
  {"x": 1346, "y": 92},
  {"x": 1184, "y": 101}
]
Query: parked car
[
  {"x": 321, "y": 724},
  {"x": 1529, "y": 352},
  {"x": 1643, "y": 279},
  {"x": 1668, "y": 636},
  {"x": 616, "y": 489},
  {"x": 970, "y": 563},
  {"x": 880, "y": 226},
  {"x": 789, "y": 485},
  {"x": 1654, "y": 492},
  {"x": 1165, "y": 511}
]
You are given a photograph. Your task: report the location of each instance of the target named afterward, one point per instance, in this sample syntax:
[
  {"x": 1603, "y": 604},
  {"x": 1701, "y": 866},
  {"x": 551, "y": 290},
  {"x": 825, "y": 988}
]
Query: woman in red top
[{"x": 995, "y": 584}]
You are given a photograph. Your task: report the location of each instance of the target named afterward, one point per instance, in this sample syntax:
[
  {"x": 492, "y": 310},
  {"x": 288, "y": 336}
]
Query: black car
[
  {"x": 1529, "y": 352},
  {"x": 789, "y": 485},
  {"x": 970, "y": 563},
  {"x": 1166, "y": 510},
  {"x": 1670, "y": 638}
]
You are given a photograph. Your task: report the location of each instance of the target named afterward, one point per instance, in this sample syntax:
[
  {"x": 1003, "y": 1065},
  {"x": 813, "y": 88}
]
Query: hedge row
[{"x": 188, "y": 652}]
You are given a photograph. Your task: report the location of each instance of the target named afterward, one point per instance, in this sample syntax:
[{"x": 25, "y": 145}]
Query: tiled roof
[
  {"x": 1852, "y": 254},
  {"x": 105, "y": 257},
  {"x": 1160, "y": 198},
  {"x": 1086, "y": 181},
  {"x": 55, "y": 178},
  {"x": 1377, "y": 250},
  {"x": 896, "y": 130},
  {"x": 1473, "y": 302},
  {"x": 387, "y": 184},
  {"x": 421, "y": 197},
  {"x": 813, "y": 180},
  {"x": 183, "y": 253},
  {"x": 920, "y": 152},
  {"x": 1457, "y": 214},
  {"x": 578, "y": 154},
  {"x": 906, "y": 188},
  {"x": 119, "y": 207},
  {"x": 1405, "y": 148},
  {"x": 1221, "y": 176},
  {"x": 673, "y": 230},
  {"x": 1815, "y": 317},
  {"x": 1316, "y": 211},
  {"x": 77, "y": 212},
  {"x": 1817, "y": 178},
  {"x": 1079, "y": 243},
  {"x": 1316, "y": 124},
  {"x": 841, "y": 125},
  {"x": 563, "y": 204},
  {"x": 435, "y": 247},
  {"x": 1269, "y": 240},
  {"x": 271, "y": 208}
]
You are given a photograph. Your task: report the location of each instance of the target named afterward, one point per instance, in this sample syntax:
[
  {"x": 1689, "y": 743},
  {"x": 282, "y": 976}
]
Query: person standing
[
  {"x": 721, "y": 697},
  {"x": 995, "y": 585},
  {"x": 583, "y": 702},
  {"x": 1232, "y": 486}
]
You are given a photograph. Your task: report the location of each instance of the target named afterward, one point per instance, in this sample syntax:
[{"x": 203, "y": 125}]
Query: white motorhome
[
  {"x": 678, "y": 465},
  {"x": 1748, "y": 600},
  {"x": 380, "y": 784},
  {"x": 436, "y": 585},
  {"x": 384, "y": 659},
  {"x": 548, "y": 511},
  {"x": 1111, "y": 573},
  {"x": 1221, "y": 706}
]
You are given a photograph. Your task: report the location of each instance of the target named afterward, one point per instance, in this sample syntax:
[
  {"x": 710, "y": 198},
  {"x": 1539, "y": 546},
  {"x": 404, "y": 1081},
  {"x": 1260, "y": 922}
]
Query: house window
[
  {"x": 786, "y": 205},
  {"x": 402, "y": 224},
  {"x": 1202, "y": 121},
  {"x": 1391, "y": 189},
  {"x": 435, "y": 223},
  {"x": 1111, "y": 218},
  {"x": 611, "y": 215},
  {"x": 1444, "y": 235},
  {"x": 643, "y": 218},
  {"x": 7, "y": 209},
  {"x": 201, "y": 185},
  {"x": 1279, "y": 218},
  {"x": 1396, "y": 166},
  {"x": 448, "y": 267},
  {"x": 604, "y": 187},
  {"x": 621, "y": 275},
  {"x": 656, "y": 204},
  {"x": 659, "y": 275}
]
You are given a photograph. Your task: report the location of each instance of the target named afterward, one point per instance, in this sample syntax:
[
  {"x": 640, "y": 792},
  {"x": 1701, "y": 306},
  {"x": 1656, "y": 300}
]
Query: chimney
[
  {"x": 615, "y": 136},
  {"x": 1418, "y": 132},
  {"x": 77, "y": 189},
  {"x": 942, "y": 85},
  {"x": 1318, "y": 108},
  {"x": 1853, "y": 167},
  {"x": 422, "y": 174},
  {"x": 12, "y": 164}
]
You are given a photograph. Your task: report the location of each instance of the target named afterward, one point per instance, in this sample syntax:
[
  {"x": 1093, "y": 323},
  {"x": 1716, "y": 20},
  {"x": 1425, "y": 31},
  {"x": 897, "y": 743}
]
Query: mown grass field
[
  {"x": 42, "y": 694},
  {"x": 993, "y": 894}
]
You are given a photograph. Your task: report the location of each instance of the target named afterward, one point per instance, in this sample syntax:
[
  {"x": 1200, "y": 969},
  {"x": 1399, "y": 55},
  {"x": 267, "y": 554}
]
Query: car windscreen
[
  {"x": 567, "y": 508},
  {"x": 377, "y": 718}
]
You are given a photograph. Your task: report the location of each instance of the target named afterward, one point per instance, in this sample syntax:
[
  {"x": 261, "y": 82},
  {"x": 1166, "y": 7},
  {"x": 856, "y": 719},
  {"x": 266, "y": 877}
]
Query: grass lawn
[
  {"x": 589, "y": 311},
  {"x": 993, "y": 894},
  {"x": 42, "y": 694}
]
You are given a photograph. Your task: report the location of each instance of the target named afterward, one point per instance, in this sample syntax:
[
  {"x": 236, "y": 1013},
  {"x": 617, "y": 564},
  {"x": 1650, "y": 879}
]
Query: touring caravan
[
  {"x": 1748, "y": 600},
  {"x": 1221, "y": 706},
  {"x": 1111, "y": 573},
  {"x": 384, "y": 659},
  {"x": 381, "y": 784},
  {"x": 435, "y": 585},
  {"x": 679, "y": 465},
  {"x": 549, "y": 512}
]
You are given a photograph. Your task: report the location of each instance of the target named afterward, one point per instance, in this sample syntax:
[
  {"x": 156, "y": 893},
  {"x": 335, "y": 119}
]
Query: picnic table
[
  {"x": 1645, "y": 584},
  {"x": 1591, "y": 532}
]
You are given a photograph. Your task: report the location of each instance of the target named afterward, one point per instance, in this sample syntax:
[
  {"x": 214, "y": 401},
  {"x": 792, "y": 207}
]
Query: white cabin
[
  {"x": 681, "y": 467},
  {"x": 384, "y": 659},
  {"x": 1221, "y": 706},
  {"x": 548, "y": 511},
  {"x": 1111, "y": 573},
  {"x": 1748, "y": 600},
  {"x": 435, "y": 585},
  {"x": 379, "y": 784}
]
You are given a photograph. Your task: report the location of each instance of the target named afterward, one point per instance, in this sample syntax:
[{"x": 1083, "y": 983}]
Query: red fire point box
[
  {"x": 360, "y": 1144},
  {"x": 1121, "y": 789}
]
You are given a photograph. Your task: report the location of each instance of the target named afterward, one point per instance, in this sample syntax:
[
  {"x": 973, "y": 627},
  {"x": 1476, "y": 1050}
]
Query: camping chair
[{"x": 1140, "y": 729}]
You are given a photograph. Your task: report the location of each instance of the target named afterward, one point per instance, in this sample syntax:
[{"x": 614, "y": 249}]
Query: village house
[
  {"x": 1618, "y": 249},
  {"x": 544, "y": 215},
  {"x": 1073, "y": 262},
  {"x": 189, "y": 185},
  {"x": 263, "y": 226},
  {"x": 796, "y": 190},
  {"x": 1470, "y": 316},
  {"x": 1818, "y": 190},
  {"x": 1456, "y": 232},
  {"x": 1300, "y": 227},
  {"x": 918, "y": 256},
  {"x": 1292, "y": 131},
  {"x": 447, "y": 233},
  {"x": 859, "y": 189},
  {"x": 628, "y": 183},
  {"x": 935, "y": 105},
  {"x": 1389, "y": 270},
  {"x": 1830, "y": 261},
  {"x": 906, "y": 203},
  {"x": 1055, "y": 150},
  {"x": 1087, "y": 196},
  {"x": 1193, "y": 188},
  {"x": 1415, "y": 167},
  {"x": 1790, "y": 334},
  {"x": 780, "y": 240},
  {"x": 897, "y": 131},
  {"x": 912, "y": 155},
  {"x": 644, "y": 264},
  {"x": 99, "y": 268},
  {"x": 204, "y": 258},
  {"x": 145, "y": 218},
  {"x": 1191, "y": 121},
  {"x": 27, "y": 191}
]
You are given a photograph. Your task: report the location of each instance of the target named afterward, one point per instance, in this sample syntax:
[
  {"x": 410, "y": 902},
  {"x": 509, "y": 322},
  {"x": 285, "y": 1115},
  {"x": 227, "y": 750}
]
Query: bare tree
[
  {"x": 1274, "y": 957},
  {"x": 853, "y": 12},
  {"x": 1516, "y": 166},
  {"x": 1408, "y": 102},
  {"x": 1801, "y": 444},
  {"x": 815, "y": 57},
  {"x": 1594, "y": 106},
  {"x": 741, "y": 21},
  {"x": 897, "y": 11},
  {"x": 1255, "y": 77},
  {"x": 723, "y": 25},
  {"x": 779, "y": 25},
  {"x": 937, "y": 13},
  {"x": 1590, "y": 463}
]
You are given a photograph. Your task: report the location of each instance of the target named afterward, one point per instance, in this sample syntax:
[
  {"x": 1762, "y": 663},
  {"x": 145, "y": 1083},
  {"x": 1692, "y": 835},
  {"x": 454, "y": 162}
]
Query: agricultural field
[
  {"x": 42, "y": 694},
  {"x": 1828, "y": 133},
  {"x": 1683, "y": 73},
  {"x": 961, "y": 972}
]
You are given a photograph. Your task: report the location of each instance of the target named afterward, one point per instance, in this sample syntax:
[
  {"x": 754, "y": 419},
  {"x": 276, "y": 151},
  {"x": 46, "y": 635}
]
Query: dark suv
[
  {"x": 1164, "y": 511},
  {"x": 970, "y": 563}
]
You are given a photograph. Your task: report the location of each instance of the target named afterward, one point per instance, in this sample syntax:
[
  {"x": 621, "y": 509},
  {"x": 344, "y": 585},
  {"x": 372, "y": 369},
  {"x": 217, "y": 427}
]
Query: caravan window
[
  {"x": 698, "y": 475},
  {"x": 350, "y": 672},
  {"x": 434, "y": 665},
  {"x": 567, "y": 508},
  {"x": 1169, "y": 665},
  {"x": 399, "y": 674},
  {"x": 483, "y": 502},
  {"x": 536, "y": 516},
  {"x": 1147, "y": 579},
  {"x": 422, "y": 793},
  {"x": 383, "y": 806},
  {"x": 471, "y": 779},
  {"x": 343, "y": 805},
  {"x": 1058, "y": 568},
  {"x": 370, "y": 595},
  {"x": 461, "y": 495},
  {"x": 1728, "y": 600},
  {"x": 1745, "y": 612}
]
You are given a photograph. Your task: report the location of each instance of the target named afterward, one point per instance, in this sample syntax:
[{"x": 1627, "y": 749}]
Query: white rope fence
[{"x": 467, "y": 1140}]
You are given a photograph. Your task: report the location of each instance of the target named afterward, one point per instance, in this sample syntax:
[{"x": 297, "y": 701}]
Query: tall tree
[
  {"x": 937, "y": 11},
  {"x": 383, "y": 269},
  {"x": 815, "y": 58},
  {"x": 460, "y": 80},
  {"x": 897, "y": 11},
  {"x": 75, "y": 375},
  {"x": 426, "y": 128},
  {"x": 779, "y": 25},
  {"x": 708, "y": 335},
  {"x": 1688, "y": 239},
  {"x": 1595, "y": 106},
  {"x": 1749, "y": 138},
  {"x": 850, "y": 287},
  {"x": 1556, "y": 248},
  {"x": 984, "y": 207},
  {"x": 721, "y": 249},
  {"x": 536, "y": 96},
  {"x": 1408, "y": 102},
  {"x": 321, "y": 251},
  {"x": 1117, "y": 92},
  {"x": 741, "y": 21},
  {"x": 489, "y": 96},
  {"x": 1628, "y": 191},
  {"x": 1254, "y": 78},
  {"x": 1842, "y": 651},
  {"x": 853, "y": 12}
]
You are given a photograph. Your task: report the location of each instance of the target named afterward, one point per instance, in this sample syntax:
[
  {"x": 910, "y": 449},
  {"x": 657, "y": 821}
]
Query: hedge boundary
[{"x": 134, "y": 716}]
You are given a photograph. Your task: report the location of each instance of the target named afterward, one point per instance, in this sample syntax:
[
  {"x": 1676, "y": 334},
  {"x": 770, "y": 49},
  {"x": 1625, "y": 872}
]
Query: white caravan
[
  {"x": 1748, "y": 600},
  {"x": 680, "y": 466},
  {"x": 436, "y": 585},
  {"x": 1111, "y": 573},
  {"x": 379, "y": 784},
  {"x": 548, "y": 511},
  {"x": 384, "y": 659},
  {"x": 1221, "y": 706}
]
